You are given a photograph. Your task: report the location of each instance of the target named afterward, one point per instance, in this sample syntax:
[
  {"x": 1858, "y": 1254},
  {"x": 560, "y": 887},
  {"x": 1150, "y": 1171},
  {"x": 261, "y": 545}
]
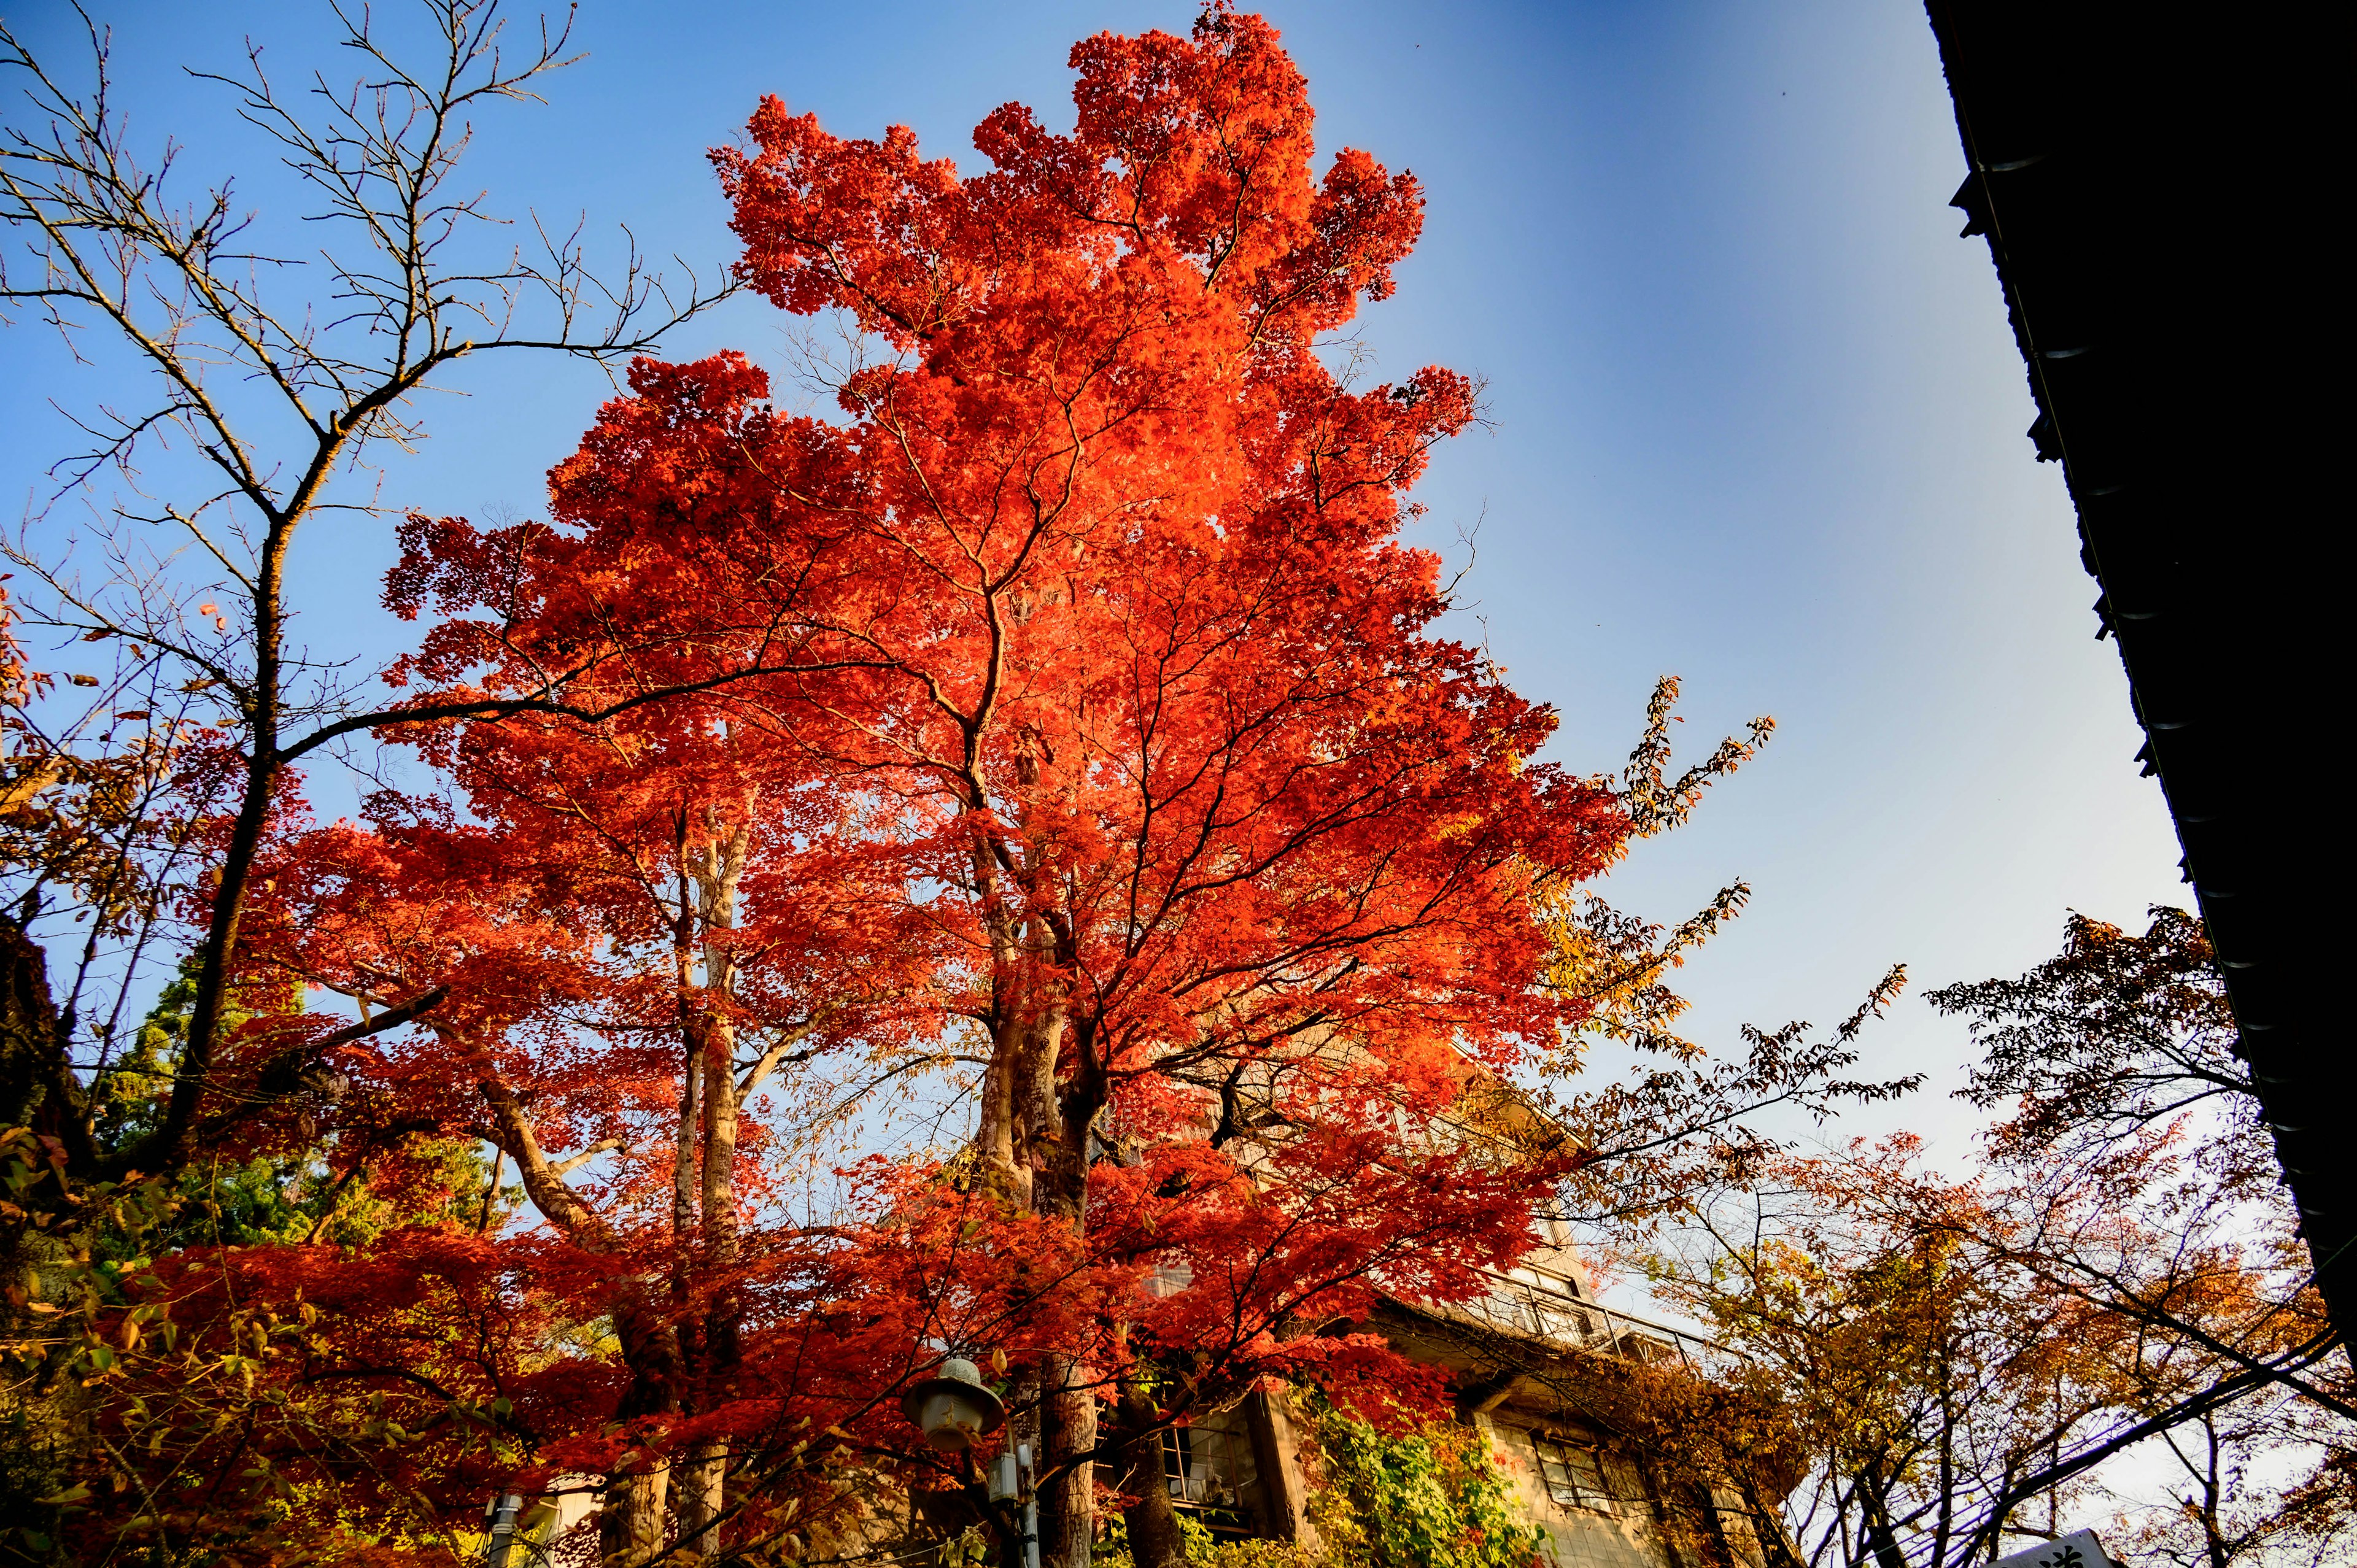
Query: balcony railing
[{"x": 1585, "y": 1324}]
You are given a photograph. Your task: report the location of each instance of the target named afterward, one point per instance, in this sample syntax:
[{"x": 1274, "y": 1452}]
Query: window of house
[
  {"x": 1544, "y": 1304},
  {"x": 1573, "y": 1472},
  {"x": 1208, "y": 1469}
]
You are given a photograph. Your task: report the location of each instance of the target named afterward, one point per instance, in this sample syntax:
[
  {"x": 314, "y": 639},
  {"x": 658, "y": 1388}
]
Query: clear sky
[{"x": 1757, "y": 416}]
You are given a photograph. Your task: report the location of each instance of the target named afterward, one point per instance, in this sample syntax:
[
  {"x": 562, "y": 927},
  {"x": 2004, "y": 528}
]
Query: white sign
[{"x": 2080, "y": 1548}]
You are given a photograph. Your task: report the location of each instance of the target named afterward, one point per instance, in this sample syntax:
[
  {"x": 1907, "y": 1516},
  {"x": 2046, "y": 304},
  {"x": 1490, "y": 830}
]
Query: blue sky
[{"x": 1758, "y": 418}]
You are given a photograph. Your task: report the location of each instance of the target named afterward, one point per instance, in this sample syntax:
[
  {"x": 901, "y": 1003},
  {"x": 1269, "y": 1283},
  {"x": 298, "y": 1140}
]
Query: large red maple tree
[{"x": 1233, "y": 857}]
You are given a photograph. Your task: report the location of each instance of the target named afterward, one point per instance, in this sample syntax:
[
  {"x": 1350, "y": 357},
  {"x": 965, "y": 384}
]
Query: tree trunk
[
  {"x": 29, "y": 1046},
  {"x": 1032, "y": 1144},
  {"x": 1068, "y": 1504},
  {"x": 1667, "y": 1525},
  {"x": 995, "y": 1129},
  {"x": 1766, "y": 1524},
  {"x": 699, "y": 1494},
  {"x": 1881, "y": 1539},
  {"x": 1060, "y": 1152},
  {"x": 630, "y": 1521},
  {"x": 1155, "y": 1538},
  {"x": 700, "y": 1482}
]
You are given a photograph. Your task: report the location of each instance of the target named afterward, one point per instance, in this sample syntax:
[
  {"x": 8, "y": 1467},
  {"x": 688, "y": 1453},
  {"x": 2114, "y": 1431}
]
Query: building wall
[{"x": 1616, "y": 1530}]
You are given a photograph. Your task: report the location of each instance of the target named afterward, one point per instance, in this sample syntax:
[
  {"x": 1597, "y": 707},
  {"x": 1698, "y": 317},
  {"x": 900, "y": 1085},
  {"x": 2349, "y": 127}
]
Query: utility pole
[
  {"x": 1014, "y": 1481},
  {"x": 500, "y": 1514}
]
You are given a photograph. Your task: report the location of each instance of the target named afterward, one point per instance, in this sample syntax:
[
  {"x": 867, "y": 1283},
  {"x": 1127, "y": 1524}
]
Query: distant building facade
[{"x": 1519, "y": 1361}]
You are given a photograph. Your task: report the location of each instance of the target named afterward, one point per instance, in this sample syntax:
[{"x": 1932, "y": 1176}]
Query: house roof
[{"x": 2161, "y": 192}]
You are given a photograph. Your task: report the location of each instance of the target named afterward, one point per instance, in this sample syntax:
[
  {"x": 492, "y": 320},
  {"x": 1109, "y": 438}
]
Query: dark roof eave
[{"x": 2151, "y": 195}]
